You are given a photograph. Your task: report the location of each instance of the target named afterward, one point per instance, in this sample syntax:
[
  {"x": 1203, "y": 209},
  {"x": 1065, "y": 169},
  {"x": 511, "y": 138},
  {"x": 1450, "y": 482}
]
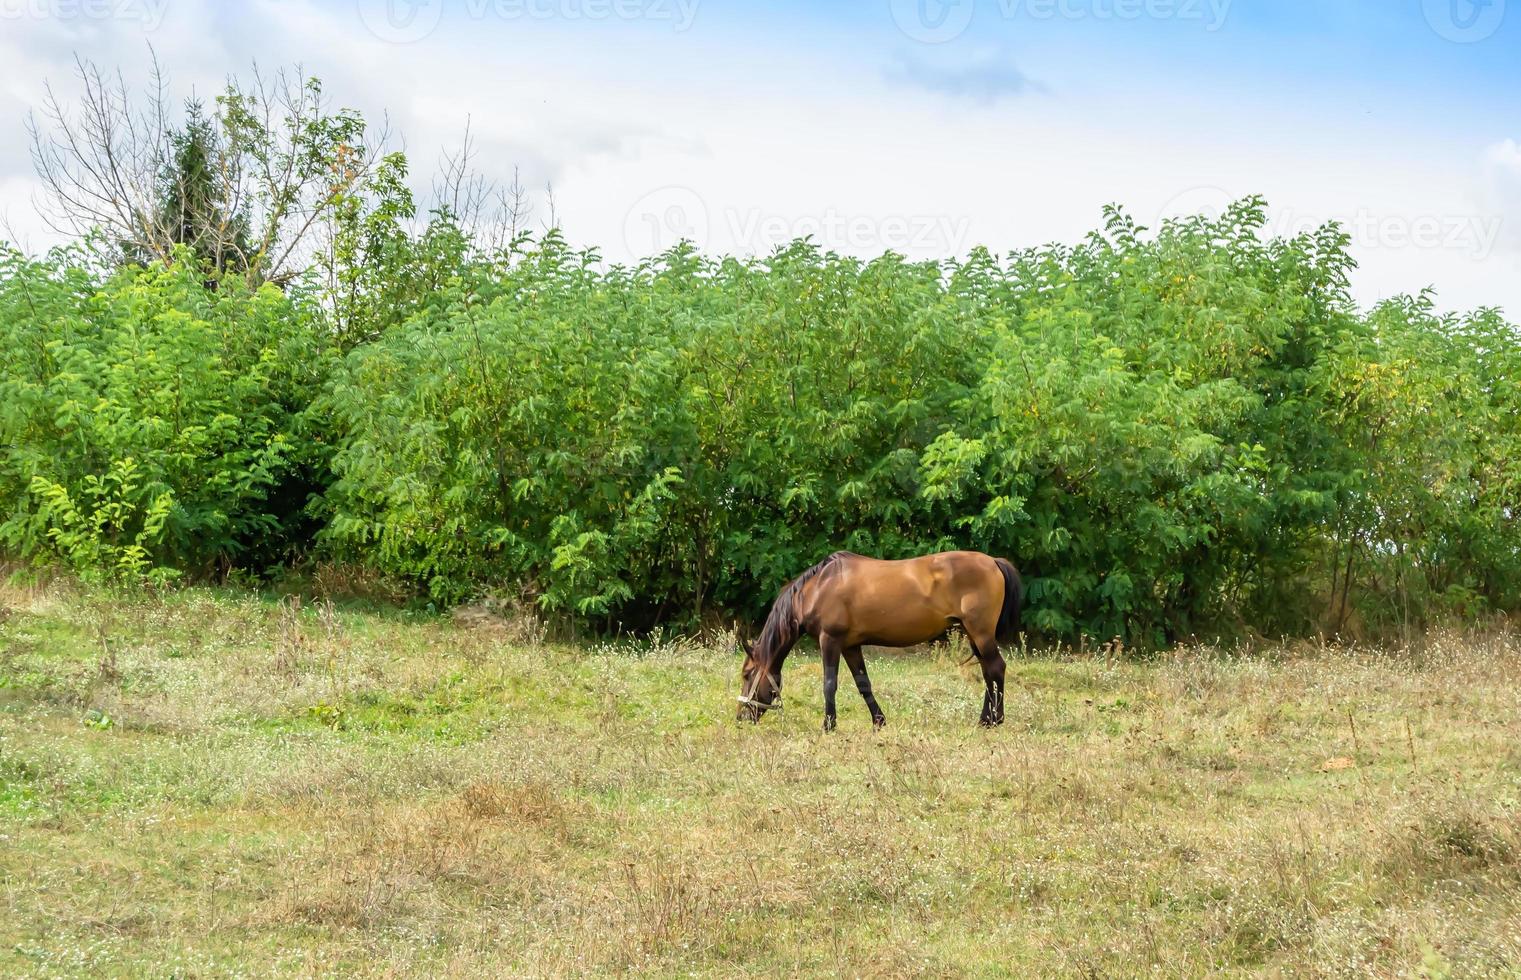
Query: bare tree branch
[{"x": 276, "y": 159}]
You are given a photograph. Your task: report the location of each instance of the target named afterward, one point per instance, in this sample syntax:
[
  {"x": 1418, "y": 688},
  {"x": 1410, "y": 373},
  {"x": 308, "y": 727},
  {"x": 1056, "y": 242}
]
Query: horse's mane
[{"x": 781, "y": 629}]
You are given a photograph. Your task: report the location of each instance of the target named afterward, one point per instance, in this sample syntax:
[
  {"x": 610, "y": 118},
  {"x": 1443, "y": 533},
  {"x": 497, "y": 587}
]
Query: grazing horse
[{"x": 848, "y": 600}]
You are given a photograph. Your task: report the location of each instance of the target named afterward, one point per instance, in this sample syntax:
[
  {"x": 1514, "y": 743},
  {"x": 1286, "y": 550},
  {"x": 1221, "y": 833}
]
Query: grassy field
[{"x": 213, "y": 783}]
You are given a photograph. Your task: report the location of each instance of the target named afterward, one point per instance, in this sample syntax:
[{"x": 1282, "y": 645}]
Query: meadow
[
  {"x": 523, "y": 491},
  {"x": 221, "y": 783}
]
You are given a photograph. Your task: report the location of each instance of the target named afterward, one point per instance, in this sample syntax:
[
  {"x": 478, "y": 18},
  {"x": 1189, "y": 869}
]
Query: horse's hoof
[
  {"x": 879, "y": 722},
  {"x": 828, "y": 725}
]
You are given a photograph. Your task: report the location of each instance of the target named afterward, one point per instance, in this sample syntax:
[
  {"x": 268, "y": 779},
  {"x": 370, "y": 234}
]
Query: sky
[{"x": 926, "y": 127}]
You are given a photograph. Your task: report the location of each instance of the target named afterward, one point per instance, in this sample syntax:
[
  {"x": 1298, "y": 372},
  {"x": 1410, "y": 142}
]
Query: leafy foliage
[
  {"x": 146, "y": 420},
  {"x": 646, "y": 440},
  {"x": 1174, "y": 433},
  {"x": 1186, "y": 431},
  {"x": 247, "y": 185},
  {"x": 193, "y": 207}
]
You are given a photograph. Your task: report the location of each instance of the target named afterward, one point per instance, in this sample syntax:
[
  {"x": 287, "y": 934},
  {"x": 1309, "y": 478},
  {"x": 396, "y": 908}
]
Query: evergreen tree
[{"x": 193, "y": 209}]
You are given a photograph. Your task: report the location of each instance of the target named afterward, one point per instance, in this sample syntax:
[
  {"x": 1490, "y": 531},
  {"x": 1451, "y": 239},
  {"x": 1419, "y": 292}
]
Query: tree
[
  {"x": 246, "y": 186},
  {"x": 191, "y": 208}
]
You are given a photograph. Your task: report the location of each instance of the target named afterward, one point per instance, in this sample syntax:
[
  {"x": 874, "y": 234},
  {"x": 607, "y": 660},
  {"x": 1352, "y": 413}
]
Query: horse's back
[
  {"x": 940, "y": 575},
  {"x": 902, "y": 602}
]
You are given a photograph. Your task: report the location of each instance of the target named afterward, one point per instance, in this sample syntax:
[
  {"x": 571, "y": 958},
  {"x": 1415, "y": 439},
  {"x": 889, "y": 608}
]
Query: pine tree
[{"x": 193, "y": 209}]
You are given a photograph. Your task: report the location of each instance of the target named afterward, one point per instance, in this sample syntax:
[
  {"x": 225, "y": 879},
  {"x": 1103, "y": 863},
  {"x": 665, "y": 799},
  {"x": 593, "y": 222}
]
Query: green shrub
[
  {"x": 146, "y": 420},
  {"x": 1186, "y": 431},
  {"x": 1168, "y": 430}
]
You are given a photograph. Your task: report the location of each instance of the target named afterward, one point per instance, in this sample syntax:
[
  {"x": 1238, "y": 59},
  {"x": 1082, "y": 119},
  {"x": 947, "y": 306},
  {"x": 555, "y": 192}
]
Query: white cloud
[
  {"x": 648, "y": 132},
  {"x": 1500, "y": 189},
  {"x": 982, "y": 75}
]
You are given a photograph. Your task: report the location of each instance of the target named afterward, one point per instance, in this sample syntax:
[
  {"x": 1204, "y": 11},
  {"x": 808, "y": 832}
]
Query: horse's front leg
[
  {"x": 863, "y": 684},
  {"x": 829, "y": 648}
]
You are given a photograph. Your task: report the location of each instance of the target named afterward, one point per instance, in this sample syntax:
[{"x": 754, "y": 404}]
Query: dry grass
[{"x": 212, "y": 784}]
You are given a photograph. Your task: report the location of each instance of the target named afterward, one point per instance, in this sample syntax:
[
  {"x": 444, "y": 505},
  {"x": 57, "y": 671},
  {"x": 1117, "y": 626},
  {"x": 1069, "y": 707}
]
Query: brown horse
[{"x": 846, "y": 601}]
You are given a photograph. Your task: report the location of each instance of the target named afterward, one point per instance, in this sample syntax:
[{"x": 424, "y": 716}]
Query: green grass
[{"x": 210, "y": 783}]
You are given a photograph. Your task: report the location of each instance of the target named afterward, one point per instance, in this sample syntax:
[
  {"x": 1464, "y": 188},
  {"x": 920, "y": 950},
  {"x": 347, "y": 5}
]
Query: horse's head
[{"x": 760, "y": 689}]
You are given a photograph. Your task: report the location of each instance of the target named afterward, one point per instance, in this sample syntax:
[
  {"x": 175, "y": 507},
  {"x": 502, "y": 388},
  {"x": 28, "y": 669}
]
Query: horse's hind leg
[
  {"x": 993, "y": 668},
  {"x": 829, "y": 649},
  {"x": 863, "y": 684}
]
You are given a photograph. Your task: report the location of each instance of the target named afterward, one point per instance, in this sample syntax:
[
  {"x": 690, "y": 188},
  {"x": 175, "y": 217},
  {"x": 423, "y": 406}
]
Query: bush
[
  {"x": 1191, "y": 431},
  {"x": 646, "y": 441},
  {"x": 1168, "y": 431},
  {"x": 148, "y": 423}
]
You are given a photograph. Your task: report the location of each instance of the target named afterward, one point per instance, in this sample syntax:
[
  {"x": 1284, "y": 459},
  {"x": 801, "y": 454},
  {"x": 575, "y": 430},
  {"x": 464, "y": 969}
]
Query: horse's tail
[{"x": 1013, "y": 600}]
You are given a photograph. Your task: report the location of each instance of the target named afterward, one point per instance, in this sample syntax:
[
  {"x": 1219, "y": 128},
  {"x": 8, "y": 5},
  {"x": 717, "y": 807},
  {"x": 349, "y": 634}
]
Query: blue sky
[{"x": 926, "y": 126}]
